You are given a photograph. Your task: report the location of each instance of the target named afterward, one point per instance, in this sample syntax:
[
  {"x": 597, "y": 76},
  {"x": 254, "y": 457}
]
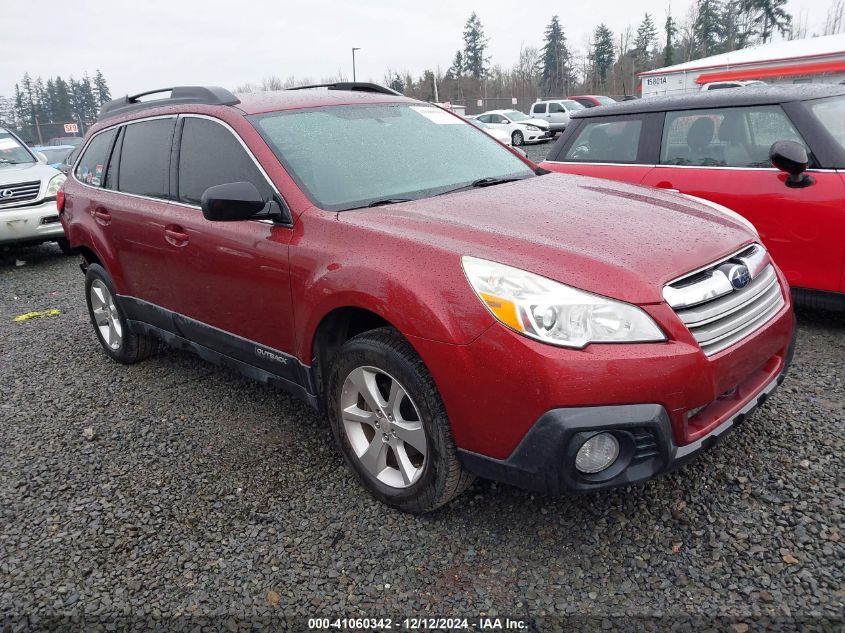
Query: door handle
[
  {"x": 175, "y": 235},
  {"x": 101, "y": 216}
]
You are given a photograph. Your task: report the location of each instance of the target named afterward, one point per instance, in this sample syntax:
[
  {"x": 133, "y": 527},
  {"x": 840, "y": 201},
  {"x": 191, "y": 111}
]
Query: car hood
[
  {"x": 610, "y": 238},
  {"x": 11, "y": 174}
]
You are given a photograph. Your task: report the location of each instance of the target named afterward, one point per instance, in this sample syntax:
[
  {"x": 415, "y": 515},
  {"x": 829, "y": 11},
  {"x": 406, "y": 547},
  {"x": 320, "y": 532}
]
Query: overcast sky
[{"x": 143, "y": 45}]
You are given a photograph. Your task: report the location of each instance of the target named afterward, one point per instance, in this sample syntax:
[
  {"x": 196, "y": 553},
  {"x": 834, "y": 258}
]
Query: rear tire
[
  {"x": 517, "y": 139},
  {"x": 390, "y": 423},
  {"x": 109, "y": 322}
]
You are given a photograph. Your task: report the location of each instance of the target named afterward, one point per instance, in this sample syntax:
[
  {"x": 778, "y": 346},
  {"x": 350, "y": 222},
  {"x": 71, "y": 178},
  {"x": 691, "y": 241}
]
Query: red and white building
[{"x": 813, "y": 60}]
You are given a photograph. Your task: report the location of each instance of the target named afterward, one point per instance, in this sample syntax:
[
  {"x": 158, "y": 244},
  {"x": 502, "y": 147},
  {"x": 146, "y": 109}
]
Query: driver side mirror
[
  {"x": 42, "y": 158},
  {"x": 232, "y": 202},
  {"x": 791, "y": 157}
]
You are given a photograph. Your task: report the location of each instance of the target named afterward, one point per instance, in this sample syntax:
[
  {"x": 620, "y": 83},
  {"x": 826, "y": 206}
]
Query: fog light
[{"x": 597, "y": 453}]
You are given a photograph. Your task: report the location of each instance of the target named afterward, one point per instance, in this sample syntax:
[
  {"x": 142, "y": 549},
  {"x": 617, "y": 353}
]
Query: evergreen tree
[
  {"x": 49, "y": 106},
  {"x": 669, "y": 52},
  {"x": 457, "y": 68},
  {"x": 769, "y": 16},
  {"x": 556, "y": 61},
  {"x": 19, "y": 105},
  {"x": 28, "y": 110},
  {"x": 603, "y": 51},
  {"x": 708, "y": 29},
  {"x": 475, "y": 45},
  {"x": 396, "y": 83},
  {"x": 644, "y": 41},
  {"x": 737, "y": 25},
  {"x": 64, "y": 110},
  {"x": 101, "y": 88}
]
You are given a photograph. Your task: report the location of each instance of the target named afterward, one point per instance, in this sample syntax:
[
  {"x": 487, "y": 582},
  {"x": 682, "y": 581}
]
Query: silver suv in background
[
  {"x": 555, "y": 112},
  {"x": 28, "y": 189}
]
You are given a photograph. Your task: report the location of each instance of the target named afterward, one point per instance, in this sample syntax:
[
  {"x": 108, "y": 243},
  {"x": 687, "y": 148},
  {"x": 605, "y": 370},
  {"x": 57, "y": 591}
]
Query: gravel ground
[
  {"x": 538, "y": 151},
  {"x": 176, "y": 494}
]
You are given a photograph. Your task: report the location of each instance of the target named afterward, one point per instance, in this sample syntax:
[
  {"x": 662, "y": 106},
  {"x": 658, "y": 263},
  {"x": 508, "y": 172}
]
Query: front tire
[
  {"x": 109, "y": 322},
  {"x": 517, "y": 139},
  {"x": 390, "y": 423}
]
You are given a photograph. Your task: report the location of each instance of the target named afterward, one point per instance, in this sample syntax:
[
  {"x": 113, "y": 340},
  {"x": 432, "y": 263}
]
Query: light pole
[{"x": 353, "y": 61}]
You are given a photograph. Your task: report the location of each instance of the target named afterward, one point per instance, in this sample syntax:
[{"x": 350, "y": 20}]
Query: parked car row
[
  {"x": 454, "y": 309},
  {"x": 545, "y": 118}
]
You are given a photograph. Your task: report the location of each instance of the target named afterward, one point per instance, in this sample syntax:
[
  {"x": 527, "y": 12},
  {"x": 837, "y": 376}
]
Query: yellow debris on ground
[{"x": 34, "y": 315}]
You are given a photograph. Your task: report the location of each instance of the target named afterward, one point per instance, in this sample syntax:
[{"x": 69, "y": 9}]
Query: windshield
[
  {"x": 605, "y": 100},
  {"x": 515, "y": 115},
  {"x": 346, "y": 157},
  {"x": 55, "y": 154},
  {"x": 831, "y": 113},
  {"x": 573, "y": 105},
  {"x": 12, "y": 152}
]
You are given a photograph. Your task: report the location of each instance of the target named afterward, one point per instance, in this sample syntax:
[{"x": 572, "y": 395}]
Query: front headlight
[
  {"x": 54, "y": 185},
  {"x": 533, "y": 128},
  {"x": 554, "y": 313}
]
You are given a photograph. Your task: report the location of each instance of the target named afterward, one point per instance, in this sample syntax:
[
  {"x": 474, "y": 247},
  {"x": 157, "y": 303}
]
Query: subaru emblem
[{"x": 739, "y": 276}]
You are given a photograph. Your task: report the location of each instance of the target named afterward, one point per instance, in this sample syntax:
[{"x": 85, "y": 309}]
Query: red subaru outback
[{"x": 452, "y": 308}]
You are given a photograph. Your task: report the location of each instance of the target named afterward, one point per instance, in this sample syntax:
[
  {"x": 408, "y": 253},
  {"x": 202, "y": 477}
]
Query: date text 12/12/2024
[{"x": 419, "y": 624}]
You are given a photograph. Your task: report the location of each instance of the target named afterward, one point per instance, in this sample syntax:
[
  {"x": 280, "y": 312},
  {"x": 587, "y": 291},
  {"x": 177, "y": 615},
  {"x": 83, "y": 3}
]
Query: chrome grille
[
  {"x": 718, "y": 314},
  {"x": 20, "y": 192}
]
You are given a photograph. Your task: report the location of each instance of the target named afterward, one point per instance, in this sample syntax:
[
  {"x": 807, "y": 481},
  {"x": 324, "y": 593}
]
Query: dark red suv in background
[
  {"x": 454, "y": 309},
  {"x": 724, "y": 146}
]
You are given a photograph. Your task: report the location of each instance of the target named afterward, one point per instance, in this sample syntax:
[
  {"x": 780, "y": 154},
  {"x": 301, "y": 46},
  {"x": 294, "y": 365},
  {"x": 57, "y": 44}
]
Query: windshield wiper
[
  {"x": 481, "y": 182},
  {"x": 486, "y": 182},
  {"x": 379, "y": 203}
]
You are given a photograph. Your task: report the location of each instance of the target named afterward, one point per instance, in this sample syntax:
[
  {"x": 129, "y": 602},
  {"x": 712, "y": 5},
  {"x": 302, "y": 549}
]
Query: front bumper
[
  {"x": 538, "y": 137},
  {"x": 545, "y": 458},
  {"x": 33, "y": 223}
]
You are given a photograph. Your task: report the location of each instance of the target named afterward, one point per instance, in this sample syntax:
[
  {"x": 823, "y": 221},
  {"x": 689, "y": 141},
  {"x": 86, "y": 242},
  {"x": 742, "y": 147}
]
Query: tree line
[
  {"x": 608, "y": 62},
  {"x": 38, "y": 103}
]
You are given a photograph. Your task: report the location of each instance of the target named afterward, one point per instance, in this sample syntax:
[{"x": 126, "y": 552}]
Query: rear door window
[
  {"x": 606, "y": 142},
  {"x": 539, "y": 108},
  {"x": 210, "y": 155},
  {"x": 725, "y": 137},
  {"x": 92, "y": 166},
  {"x": 145, "y": 158}
]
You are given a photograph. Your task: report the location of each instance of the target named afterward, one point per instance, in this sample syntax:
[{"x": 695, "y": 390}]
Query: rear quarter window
[{"x": 92, "y": 165}]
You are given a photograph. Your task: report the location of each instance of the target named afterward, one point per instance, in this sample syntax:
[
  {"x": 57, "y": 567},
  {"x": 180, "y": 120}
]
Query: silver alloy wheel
[
  {"x": 517, "y": 139},
  {"x": 106, "y": 317},
  {"x": 383, "y": 426}
]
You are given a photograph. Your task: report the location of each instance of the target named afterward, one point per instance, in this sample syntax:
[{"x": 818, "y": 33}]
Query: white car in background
[
  {"x": 28, "y": 189},
  {"x": 556, "y": 112},
  {"x": 721, "y": 85},
  {"x": 496, "y": 132},
  {"x": 520, "y": 127}
]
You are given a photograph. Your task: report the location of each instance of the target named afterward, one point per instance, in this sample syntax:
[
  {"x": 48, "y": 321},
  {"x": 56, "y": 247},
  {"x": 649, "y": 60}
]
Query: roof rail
[
  {"x": 356, "y": 86},
  {"x": 209, "y": 95}
]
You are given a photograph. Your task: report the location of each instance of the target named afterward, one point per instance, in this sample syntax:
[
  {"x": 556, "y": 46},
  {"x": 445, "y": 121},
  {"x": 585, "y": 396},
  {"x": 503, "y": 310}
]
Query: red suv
[
  {"x": 424, "y": 286},
  {"x": 727, "y": 146}
]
